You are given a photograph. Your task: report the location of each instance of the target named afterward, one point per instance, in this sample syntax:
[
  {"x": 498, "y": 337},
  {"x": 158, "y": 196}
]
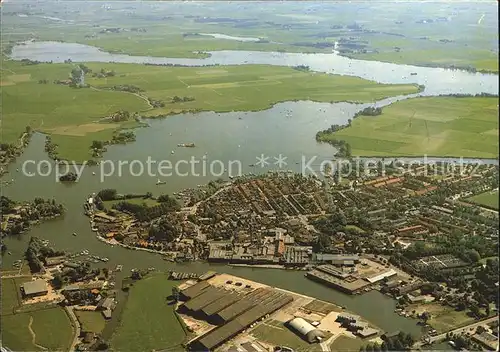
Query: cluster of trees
[
  {"x": 81, "y": 273},
  {"x": 50, "y": 147},
  {"x": 103, "y": 73},
  {"x": 123, "y": 137},
  {"x": 156, "y": 103},
  {"x": 37, "y": 253},
  {"x": 128, "y": 88},
  {"x": 400, "y": 342},
  {"x": 69, "y": 177},
  {"x": 9, "y": 149},
  {"x": 120, "y": 116},
  {"x": 39, "y": 209},
  {"x": 107, "y": 194},
  {"x": 144, "y": 212},
  {"x": 163, "y": 231},
  {"x": 6, "y": 205},
  {"x": 301, "y": 68},
  {"x": 177, "y": 99},
  {"x": 30, "y": 62},
  {"x": 369, "y": 111}
]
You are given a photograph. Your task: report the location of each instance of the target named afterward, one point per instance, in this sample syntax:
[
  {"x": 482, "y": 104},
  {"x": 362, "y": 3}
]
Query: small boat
[
  {"x": 93, "y": 173},
  {"x": 9, "y": 253},
  {"x": 159, "y": 182},
  {"x": 251, "y": 165},
  {"x": 74, "y": 233},
  {"x": 413, "y": 73},
  {"x": 172, "y": 152}
]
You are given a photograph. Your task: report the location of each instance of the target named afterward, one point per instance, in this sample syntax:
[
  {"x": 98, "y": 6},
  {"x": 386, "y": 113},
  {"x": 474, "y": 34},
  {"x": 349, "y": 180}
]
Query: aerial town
[{"x": 241, "y": 176}]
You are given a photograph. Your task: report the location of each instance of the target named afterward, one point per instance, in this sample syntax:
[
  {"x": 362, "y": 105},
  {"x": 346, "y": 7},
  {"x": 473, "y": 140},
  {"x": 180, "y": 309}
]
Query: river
[
  {"x": 230, "y": 136},
  {"x": 436, "y": 80}
]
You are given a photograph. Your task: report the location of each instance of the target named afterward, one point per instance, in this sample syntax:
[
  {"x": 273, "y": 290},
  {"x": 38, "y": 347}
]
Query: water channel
[{"x": 230, "y": 136}]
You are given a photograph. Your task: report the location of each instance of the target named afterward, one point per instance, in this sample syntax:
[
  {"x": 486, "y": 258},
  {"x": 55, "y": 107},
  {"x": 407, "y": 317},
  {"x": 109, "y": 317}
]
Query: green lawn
[
  {"x": 11, "y": 294},
  {"x": 15, "y": 333},
  {"x": 346, "y": 344},
  {"x": 438, "y": 126},
  {"x": 73, "y": 116},
  {"x": 443, "y": 318},
  {"x": 52, "y": 328},
  {"x": 148, "y": 322},
  {"x": 487, "y": 199},
  {"x": 91, "y": 321}
]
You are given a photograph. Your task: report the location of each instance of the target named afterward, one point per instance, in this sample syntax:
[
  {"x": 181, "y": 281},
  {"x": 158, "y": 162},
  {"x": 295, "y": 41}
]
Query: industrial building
[
  {"x": 306, "y": 330},
  {"x": 34, "y": 288},
  {"x": 232, "y": 311}
]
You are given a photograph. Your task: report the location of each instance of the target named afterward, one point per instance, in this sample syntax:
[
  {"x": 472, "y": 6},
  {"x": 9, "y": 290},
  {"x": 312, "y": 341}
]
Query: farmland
[
  {"x": 438, "y": 126},
  {"x": 424, "y": 34},
  {"x": 487, "y": 199},
  {"x": 91, "y": 321},
  {"x": 74, "y": 117},
  {"x": 148, "y": 321},
  {"x": 26, "y": 331}
]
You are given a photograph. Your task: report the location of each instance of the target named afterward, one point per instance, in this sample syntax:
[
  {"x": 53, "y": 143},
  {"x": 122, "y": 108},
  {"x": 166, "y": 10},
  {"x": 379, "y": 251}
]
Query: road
[
  {"x": 76, "y": 323},
  {"x": 459, "y": 330}
]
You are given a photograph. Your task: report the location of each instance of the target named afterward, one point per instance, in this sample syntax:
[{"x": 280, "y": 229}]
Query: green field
[
  {"x": 148, "y": 322},
  {"x": 443, "y": 318},
  {"x": 454, "y": 34},
  {"x": 91, "y": 321},
  {"x": 51, "y": 327},
  {"x": 346, "y": 344},
  {"x": 74, "y": 117},
  {"x": 439, "y": 126},
  {"x": 487, "y": 199}
]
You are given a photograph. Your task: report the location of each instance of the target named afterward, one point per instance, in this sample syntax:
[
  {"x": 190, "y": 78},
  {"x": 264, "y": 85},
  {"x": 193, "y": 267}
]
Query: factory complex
[{"x": 227, "y": 313}]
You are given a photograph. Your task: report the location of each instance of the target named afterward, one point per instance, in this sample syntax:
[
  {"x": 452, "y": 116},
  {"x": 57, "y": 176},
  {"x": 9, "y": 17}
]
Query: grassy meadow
[
  {"x": 437, "y": 126},
  {"x": 441, "y": 34},
  {"x": 91, "y": 321},
  {"x": 487, "y": 199},
  {"x": 73, "y": 117},
  {"x": 148, "y": 322},
  {"x": 51, "y": 327}
]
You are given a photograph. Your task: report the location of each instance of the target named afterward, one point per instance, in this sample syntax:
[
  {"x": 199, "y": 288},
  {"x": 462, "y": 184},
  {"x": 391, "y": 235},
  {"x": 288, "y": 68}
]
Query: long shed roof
[
  {"x": 244, "y": 304},
  {"x": 211, "y": 294},
  {"x": 221, "y": 303},
  {"x": 221, "y": 334},
  {"x": 195, "y": 290}
]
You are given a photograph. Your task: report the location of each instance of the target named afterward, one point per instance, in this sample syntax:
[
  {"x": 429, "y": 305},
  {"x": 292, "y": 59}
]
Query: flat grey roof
[{"x": 34, "y": 287}]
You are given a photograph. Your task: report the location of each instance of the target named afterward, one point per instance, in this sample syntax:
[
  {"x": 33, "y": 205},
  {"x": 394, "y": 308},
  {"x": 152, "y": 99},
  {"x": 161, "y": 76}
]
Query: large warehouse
[{"x": 233, "y": 312}]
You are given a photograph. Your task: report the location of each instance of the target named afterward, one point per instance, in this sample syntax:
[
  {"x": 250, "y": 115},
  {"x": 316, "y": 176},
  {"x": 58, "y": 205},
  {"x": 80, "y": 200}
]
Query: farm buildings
[
  {"x": 231, "y": 311},
  {"x": 34, "y": 288}
]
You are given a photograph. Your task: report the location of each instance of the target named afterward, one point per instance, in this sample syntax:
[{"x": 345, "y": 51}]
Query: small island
[{"x": 69, "y": 177}]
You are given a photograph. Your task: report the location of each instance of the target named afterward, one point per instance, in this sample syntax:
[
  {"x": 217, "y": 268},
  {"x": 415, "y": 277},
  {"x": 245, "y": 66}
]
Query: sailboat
[{"x": 160, "y": 182}]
